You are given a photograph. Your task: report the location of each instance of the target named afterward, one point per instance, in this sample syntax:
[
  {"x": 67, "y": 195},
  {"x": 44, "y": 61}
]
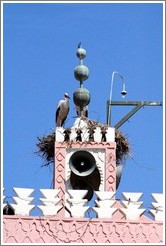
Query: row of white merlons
[
  {"x": 76, "y": 206},
  {"x": 85, "y": 134}
]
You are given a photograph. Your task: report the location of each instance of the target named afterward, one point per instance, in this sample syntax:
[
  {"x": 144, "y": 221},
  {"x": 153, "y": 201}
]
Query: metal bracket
[{"x": 138, "y": 104}]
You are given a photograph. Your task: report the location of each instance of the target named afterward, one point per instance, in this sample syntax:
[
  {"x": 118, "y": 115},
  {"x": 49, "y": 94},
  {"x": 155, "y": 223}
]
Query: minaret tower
[{"x": 85, "y": 158}]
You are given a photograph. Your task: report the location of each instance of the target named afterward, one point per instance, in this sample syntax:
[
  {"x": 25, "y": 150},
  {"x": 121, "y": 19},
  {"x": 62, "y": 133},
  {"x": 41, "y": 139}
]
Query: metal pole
[
  {"x": 110, "y": 98},
  {"x": 108, "y": 114}
]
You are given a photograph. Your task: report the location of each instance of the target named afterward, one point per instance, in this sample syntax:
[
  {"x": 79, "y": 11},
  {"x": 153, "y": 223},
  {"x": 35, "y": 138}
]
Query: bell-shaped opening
[
  {"x": 82, "y": 163},
  {"x": 90, "y": 183},
  {"x": 85, "y": 176}
]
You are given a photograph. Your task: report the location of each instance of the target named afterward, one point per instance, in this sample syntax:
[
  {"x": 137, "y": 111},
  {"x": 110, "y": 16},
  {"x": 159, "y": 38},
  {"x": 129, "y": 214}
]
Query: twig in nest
[{"x": 45, "y": 146}]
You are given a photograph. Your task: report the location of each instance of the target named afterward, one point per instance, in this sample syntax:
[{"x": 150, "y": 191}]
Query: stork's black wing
[
  {"x": 63, "y": 121},
  {"x": 86, "y": 113},
  {"x": 57, "y": 113}
]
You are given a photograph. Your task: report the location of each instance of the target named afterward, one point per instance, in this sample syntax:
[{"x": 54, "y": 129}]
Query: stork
[
  {"x": 62, "y": 110},
  {"x": 83, "y": 112}
]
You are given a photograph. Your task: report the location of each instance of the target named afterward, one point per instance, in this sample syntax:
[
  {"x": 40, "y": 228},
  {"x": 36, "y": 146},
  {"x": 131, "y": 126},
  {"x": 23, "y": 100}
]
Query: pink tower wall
[
  {"x": 50, "y": 229},
  {"x": 59, "y": 168},
  {"x": 60, "y": 154}
]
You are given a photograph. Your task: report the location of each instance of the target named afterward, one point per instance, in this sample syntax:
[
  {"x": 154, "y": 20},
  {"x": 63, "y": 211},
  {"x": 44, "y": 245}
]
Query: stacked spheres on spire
[{"x": 81, "y": 96}]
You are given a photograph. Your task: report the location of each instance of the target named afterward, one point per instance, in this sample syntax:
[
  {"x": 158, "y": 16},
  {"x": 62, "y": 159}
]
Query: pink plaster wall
[
  {"x": 50, "y": 229},
  {"x": 60, "y": 154}
]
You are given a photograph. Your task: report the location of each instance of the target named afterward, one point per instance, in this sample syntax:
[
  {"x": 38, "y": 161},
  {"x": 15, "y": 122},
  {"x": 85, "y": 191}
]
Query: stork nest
[{"x": 45, "y": 144}]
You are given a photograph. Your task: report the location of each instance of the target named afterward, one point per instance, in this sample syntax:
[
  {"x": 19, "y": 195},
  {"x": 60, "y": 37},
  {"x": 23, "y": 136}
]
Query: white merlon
[
  {"x": 59, "y": 134},
  {"x": 128, "y": 204},
  {"x": 78, "y": 212},
  {"x": 132, "y": 210},
  {"x": 77, "y": 194},
  {"x": 50, "y": 201},
  {"x": 76, "y": 203},
  {"x": 22, "y": 206},
  {"x": 23, "y": 201},
  {"x": 85, "y": 135},
  {"x": 50, "y": 209},
  {"x": 49, "y": 193},
  {"x": 157, "y": 214},
  {"x": 105, "y": 203},
  {"x": 20, "y": 209},
  {"x": 132, "y": 196},
  {"x": 104, "y": 212},
  {"x": 110, "y": 134},
  {"x": 132, "y": 213},
  {"x": 158, "y": 197},
  {"x": 158, "y": 205},
  {"x": 105, "y": 195},
  {"x": 23, "y": 192},
  {"x": 97, "y": 135},
  {"x": 73, "y": 135}
]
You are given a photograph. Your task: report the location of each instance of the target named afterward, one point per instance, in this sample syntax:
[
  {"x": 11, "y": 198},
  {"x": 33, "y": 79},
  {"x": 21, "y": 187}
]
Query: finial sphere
[
  {"x": 81, "y": 53},
  {"x": 81, "y": 73},
  {"x": 81, "y": 97}
]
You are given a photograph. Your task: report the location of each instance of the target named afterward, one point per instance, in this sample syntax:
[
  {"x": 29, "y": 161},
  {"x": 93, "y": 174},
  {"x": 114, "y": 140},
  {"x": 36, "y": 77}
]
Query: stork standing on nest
[
  {"x": 83, "y": 113},
  {"x": 62, "y": 110}
]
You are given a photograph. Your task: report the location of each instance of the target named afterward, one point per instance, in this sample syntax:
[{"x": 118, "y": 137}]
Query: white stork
[
  {"x": 62, "y": 110},
  {"x": 84, "y": 111}
]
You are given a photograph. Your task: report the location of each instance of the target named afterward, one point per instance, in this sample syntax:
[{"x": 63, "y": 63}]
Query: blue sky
[{"x": 39, "y": 45}]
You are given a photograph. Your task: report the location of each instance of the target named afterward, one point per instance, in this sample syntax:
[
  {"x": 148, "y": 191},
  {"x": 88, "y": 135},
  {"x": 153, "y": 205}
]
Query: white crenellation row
[
  {"x": 75, "y": 204},
  {"x": 83, "y": 132},
  {"x": 85, "y": 135}
]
